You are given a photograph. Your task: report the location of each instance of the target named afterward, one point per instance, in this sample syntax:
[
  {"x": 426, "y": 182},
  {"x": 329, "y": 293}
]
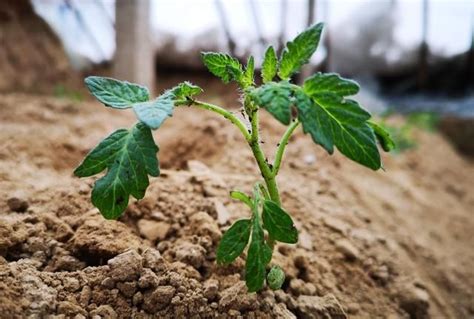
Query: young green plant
[{"x": 321, "y": 106}]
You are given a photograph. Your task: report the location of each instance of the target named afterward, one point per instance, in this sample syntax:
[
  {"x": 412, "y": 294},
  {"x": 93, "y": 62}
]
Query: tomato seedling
[{"x": 321, "y": 106}]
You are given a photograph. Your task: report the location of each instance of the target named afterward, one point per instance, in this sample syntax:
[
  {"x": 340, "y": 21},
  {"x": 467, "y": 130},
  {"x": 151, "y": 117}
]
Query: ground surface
[{"x": 393, "y": 244}]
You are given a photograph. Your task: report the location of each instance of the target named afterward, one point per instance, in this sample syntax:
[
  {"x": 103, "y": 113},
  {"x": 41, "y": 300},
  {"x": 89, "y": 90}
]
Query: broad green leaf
[
  {"x": 153, "y": 113},
  {"x": 258, "y": 257},
  {"x": 275, "y": 278},
  {"x": 234, "y": 241},
  {"x": 241, "y": 197},
  {"x": 223, "y": 66},
  {"x": 247, "y": 79},
  {"x": 259, "y": 253},
  {"x": 383, "y": 137},
  {"x": 331, "y": 119},
  {"x": 320, "y": 83},
  {"x": 115, "y": 93},
  {"x": 276, "y": 99},
  {"x": 278, "y": 223},
  {"x": 299, "y": 51},
  {"x": 269, "y": 65},
  {"x": 129, "y": 157}
]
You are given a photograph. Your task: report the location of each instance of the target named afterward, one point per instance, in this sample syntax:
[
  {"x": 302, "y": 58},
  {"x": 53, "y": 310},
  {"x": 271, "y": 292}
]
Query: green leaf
[
  {"x": 129, "y": 157},
  {"x": 333, "y": 83},
  {"x": 223, "y": 66},
  {"x": 154, "y": 113},
  {"x": 276, "y": 99},
  {"x": 278, "y": 223},
  {"x": 299, "y": 51},
  {"x": 241, "y": 197},
  {"x": 275, "y": 277},
  {"x": 331, "y": 119},
  {"x": 115, "y": 93},
  {"x": 247, "y": 79},
  {"x": 185, "y": 90},
  {"x": 234, "y": 241},
  {"x": 259, "y": 253},
  {"x": 258, "y": 257},
  {"x": 383, "y": 137},
  {"x": 269, "y": 65}
]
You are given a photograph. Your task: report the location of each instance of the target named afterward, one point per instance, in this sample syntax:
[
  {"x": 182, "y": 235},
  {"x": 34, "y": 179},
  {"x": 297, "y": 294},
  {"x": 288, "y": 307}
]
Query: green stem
[
  {"x": 282, "y": 146},
  {"x": 262, "y": 163},
  {"x": 226, "y": 114}
]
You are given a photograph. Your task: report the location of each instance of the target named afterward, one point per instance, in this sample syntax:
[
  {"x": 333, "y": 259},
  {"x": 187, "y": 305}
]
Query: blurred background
[
  {"x": 396, "y": 243},
  {"x": 409, "y": 55}
]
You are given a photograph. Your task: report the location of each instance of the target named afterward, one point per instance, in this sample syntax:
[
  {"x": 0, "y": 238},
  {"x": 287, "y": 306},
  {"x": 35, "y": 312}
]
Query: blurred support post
[
  {"x": 225, "y": 26},
  {"x": 308, "y": 69},
  {"x": 310, "y": 17},
  {"x": 134, "y": 53},
  {"x": 326, "y": 64},
  {"x": 470, "y": 60},
  {"x": 423, "y": 59},
  {"x": 256, "y": 21},
  {"x": 281, "y": 36}
]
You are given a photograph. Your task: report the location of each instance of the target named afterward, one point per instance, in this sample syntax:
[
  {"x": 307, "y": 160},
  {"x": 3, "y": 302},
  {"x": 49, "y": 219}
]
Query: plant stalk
[
  {"x": 226, "y": 114},
  {"x": 282, "y": 146},
  {"x": 267, "y": 172}
]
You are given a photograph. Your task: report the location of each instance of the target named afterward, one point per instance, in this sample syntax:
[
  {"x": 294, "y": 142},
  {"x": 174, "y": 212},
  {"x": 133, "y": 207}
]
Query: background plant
[{"x": 321, "y": 106}]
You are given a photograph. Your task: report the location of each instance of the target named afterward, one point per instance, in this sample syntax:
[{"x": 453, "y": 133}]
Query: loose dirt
[{"x": 388, "y": 244}]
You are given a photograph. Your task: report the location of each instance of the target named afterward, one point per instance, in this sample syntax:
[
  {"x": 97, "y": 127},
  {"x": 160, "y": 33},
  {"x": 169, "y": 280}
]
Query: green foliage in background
[
  {"x": 322, "y": 105},
  {"x": 402, "y": 134}
]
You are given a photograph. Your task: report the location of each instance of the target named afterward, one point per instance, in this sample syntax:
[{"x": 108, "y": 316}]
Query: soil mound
[
  {"x": 32, "y": 57},
  {"x": 393, "y": 244}
]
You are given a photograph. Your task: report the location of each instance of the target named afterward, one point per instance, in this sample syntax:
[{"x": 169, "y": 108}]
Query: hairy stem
[
  {"x": 262, "y": 163},
  {"x": 226, "y": 114},
  {"x": 282, "y": 146}
]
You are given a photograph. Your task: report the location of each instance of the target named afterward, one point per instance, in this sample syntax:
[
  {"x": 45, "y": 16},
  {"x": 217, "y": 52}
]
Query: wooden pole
[
  {"x": 258, "y": 27},
  {"x": 134, "y": 56},
  {"x": 310, "y": 16},
  {"x": 308, "y": 69},
  {"x": 281, "y": 36},
  {"x": 225, "y": 26},
  {"x": 423, "y": 57}
]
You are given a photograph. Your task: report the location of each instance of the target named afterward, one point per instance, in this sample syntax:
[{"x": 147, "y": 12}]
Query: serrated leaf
[
  {"x": 269, "y": 65},
  {"x": 223, "y": 66},
  {"x": 154, "y": 113},
  {"x": 185, "y": 90},
  {"x": 248, "y": 77},
  {"x": 258, "y": 257},
  {"x": 233, "y": 242},
  {"x": 331, "y": 119},
  {"x": 115, "y": 93},
  {"x": 383, "y": 137},
  {"x": 129, "y": 157},
  {"x": 299, "y": 51},
  {"x": 276, "y": 99},
  {"x": 320, "y": 83},
  {"x": 278, "y": 223},
  {"x": 259, "y": 253}
]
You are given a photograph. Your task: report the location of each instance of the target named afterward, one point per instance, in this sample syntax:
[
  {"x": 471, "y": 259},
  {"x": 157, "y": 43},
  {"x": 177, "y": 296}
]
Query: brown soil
[{"x": 393, "y": 244}]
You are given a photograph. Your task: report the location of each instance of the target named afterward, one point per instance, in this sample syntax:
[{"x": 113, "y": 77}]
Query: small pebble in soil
[
  {"x": 153, "y": 230},
  {"x": 17, "y": 204},
  {"x": 349, "y": 251}
]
